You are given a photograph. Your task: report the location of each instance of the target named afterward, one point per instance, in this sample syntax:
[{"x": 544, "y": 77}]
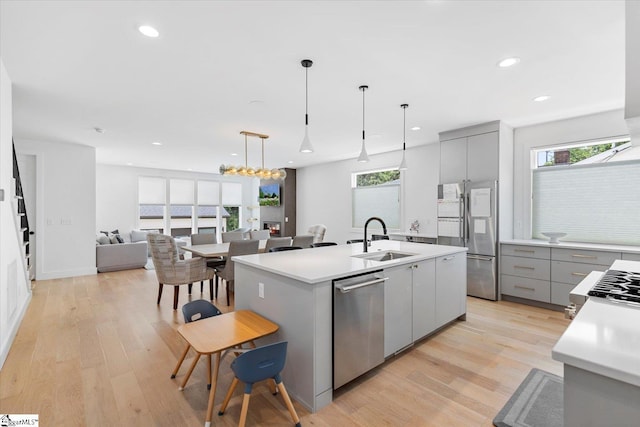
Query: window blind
[
  {"x": 382, "y": 201},
  {"x": 231, "y": 194},
  {"x": 595, "y": 203},
  {"x": 151, "y": 191},
  {"x": 208, "y": 193},
  {"x": 181, "y": 192}
]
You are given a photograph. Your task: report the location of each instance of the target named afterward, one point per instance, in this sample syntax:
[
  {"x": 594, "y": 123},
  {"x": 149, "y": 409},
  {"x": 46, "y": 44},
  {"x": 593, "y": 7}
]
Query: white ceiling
[{"x": 220, "y": 67}]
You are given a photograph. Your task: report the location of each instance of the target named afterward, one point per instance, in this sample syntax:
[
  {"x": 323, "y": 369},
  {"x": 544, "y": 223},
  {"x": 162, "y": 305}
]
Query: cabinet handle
[
  {"x": 528, "y": 251},
  {"x": 524, "y": 287},
  {"x": 524, "y": 267},
  {"x": 448, "y": 258},
  {"x": 579, "y": 274},
  {"x": 584, "y": 256}
]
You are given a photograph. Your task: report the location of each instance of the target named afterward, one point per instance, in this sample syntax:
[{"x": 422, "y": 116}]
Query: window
[
  {"x": 151, "y": 203},
  {"x": 231, "y": 203},
  {"x": 376, "y": 193},
  {"x": 587, "y": 194},
  {"x": 208, "y": 201},
  {"x": 181, "y": 196}
]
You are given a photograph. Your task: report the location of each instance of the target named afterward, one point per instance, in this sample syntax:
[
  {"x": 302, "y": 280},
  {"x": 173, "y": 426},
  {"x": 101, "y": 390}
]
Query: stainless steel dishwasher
[{"x": 358, "y": 325}]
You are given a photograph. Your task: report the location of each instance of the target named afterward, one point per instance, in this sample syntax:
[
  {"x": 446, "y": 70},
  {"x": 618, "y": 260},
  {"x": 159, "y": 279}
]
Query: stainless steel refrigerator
[{"x": 467, "y": 216}]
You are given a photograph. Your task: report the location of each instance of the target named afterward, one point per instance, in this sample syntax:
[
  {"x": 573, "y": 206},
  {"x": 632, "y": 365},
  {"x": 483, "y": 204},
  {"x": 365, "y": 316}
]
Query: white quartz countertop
[
  {"x": 315, "y": 265},
  {"x": 575, "y": 245},
  {"x": 603, "y": 338}
]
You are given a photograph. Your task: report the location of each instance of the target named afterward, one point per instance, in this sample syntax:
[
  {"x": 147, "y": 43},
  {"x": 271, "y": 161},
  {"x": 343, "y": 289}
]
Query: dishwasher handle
[{"x": 346, "y": 289}]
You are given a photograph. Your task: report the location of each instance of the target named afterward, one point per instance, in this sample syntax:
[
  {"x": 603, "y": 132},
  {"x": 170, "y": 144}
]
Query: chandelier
[{"x": 245, "y": 170}]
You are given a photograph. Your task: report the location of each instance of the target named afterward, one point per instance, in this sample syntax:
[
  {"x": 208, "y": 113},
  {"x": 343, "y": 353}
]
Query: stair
[{"x": 22, "y": 222}]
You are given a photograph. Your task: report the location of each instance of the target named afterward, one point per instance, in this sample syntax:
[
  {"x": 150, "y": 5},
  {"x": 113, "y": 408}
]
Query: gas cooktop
[{"x": 618, "y": 285}]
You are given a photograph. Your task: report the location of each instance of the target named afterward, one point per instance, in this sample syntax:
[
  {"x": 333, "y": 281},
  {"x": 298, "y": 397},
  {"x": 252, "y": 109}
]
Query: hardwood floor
[{"x": 97, "y": 351}]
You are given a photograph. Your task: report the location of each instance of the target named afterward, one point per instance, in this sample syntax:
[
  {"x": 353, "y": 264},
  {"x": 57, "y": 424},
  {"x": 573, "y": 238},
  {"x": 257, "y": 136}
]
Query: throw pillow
[
  {"x": 103, "y": 239},
  {"x": 106, "y": 233},
  {"x": 119, "y": 238},
  {"x": 138, "y": 236}
]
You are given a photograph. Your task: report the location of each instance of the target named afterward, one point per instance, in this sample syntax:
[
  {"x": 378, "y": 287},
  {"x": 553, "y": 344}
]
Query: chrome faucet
[{"x": 366, "y": 224}]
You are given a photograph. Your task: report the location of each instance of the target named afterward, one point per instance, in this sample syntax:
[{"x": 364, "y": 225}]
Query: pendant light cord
[
  {"x": 363, "y": 88},
  {"x": 404, "y": 128},
  {"x": 306, "y": 96}
]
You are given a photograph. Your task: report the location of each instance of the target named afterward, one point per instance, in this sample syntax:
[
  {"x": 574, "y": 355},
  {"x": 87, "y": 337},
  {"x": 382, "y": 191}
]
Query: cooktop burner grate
[{"x": 619, "y": 285}]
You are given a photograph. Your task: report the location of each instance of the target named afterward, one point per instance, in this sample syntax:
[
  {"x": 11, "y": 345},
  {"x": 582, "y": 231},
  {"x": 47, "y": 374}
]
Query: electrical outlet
[{"x": 260, "y": 290}]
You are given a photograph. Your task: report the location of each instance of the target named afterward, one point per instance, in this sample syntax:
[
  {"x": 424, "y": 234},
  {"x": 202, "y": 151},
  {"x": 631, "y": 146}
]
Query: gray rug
[{"x": 538, "y": 402}]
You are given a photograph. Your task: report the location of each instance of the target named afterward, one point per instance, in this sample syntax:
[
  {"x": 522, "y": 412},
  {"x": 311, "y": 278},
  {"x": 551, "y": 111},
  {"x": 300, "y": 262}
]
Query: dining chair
[
  {"x": 259, "y": 234},
  {"x": 171, "y": 270},
  {"x": 232, "y": 236},
  {"x": 276, "y": 242},
  {"x": 193, "y": 311},
  {"x": 284, "y": 248},
  {"x": 318, "y": 231},
  {"x": 214, "y": 262},
  {"x": 256, "y": 365},
  {"x": 321, "y": 244},
  {"x": 304, "y": 241},
  {"x": 354, "y": 241},
  {"x": 237, "y": 247}
]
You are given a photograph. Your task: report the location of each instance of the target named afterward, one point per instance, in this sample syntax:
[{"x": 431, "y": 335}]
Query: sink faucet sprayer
[{"x": 366, "y": 224}]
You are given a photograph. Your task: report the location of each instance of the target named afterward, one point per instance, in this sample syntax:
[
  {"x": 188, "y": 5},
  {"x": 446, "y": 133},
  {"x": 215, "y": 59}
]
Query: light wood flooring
[{"x": 98, "y": 351}]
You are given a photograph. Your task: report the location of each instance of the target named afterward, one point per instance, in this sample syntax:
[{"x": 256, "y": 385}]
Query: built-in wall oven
[{"x": 358, "y": 325}]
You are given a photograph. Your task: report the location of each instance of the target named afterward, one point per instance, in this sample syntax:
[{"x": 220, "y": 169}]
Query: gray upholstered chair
[
  {"x": 232, "y": 236},
  {"x": 237, "y": 247},
  {"x": 304, "y": 241},
  {"x": 318, "y": 232},
  {"x": 171, "y": 270},
  {"x": 277, "y": 242},
  {"x": 321, "y": 244},
  {"x": 259, "y": 234},
  {"x": 213, "y": 262}
]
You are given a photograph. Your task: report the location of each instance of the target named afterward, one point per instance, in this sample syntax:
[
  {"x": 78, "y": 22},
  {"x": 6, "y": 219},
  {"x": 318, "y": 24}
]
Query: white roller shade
[
  {"x": 231, "y": 194},
  {"x": 596, "y": 203},
  {"x": 181, "y": 192},
  {"x": 208, "y": 193},
  {"x": 151, "y": 191},
  {"x": 382, "y": 201}
]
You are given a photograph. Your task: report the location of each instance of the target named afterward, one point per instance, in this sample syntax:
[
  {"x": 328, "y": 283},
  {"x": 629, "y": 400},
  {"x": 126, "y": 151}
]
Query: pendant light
[
  {"x": 403, "y": 163},
  {"x": 306, "y": 146},
  {"x": 363, "y": 157},
  {"x": 246, "y": 170}
]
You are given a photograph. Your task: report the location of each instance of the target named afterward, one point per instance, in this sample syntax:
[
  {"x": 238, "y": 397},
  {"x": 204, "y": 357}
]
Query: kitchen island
[{"x": 425, "y": 290}]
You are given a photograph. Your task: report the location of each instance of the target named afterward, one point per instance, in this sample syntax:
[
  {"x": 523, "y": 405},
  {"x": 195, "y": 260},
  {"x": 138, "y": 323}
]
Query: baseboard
[
  {"x": 48, "y": 275},
  {"x": 6, "y": 346}
]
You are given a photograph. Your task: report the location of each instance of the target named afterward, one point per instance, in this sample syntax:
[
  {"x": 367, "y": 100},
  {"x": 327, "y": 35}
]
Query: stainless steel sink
[{"x": 384, "y": 255}]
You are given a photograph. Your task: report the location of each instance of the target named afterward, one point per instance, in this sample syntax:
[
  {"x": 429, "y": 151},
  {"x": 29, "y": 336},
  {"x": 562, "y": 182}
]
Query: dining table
[
  {"x": 213, "y": 250},
  {"x": 215, "y": 335}
]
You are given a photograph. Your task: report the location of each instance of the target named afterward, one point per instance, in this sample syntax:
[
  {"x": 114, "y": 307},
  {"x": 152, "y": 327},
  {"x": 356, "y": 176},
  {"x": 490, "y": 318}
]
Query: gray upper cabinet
[
  {"x": 482, "y": 157},
  {"x": 453, "y": 161}
]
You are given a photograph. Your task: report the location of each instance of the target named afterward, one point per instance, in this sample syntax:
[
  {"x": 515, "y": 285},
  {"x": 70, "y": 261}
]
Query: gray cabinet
[
  {"x": 424, "y": 298},
  {"x": 398, "y": 304},
  {"x": 451, "y": 287},
  {"x": 453, "y": 160}
]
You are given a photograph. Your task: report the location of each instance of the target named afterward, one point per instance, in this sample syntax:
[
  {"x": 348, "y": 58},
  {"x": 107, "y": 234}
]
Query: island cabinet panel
[
  {"x": 424, "y": 298},
  {"x": 398, "y": 304},
  {"x": 451, "y": 287}
]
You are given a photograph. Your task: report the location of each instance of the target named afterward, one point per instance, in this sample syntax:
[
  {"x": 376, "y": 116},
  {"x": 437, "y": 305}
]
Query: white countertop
[
  {"x": 575, "y": 245},
  {"x": 603, "y": 338},
  {"x": 315, "y": 265}
]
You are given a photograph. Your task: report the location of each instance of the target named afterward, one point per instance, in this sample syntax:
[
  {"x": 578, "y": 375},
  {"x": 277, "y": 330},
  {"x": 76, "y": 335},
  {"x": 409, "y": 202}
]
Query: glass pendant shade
[
  {"x": 306, "y": 146},
  {"x": 363, "y": 157},
  {"x": 260, "y": 172}
]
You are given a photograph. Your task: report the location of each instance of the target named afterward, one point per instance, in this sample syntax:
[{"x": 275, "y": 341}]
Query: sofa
[
  {"x": 114, "y": 252},
  {"x": 121, "y": 256}
]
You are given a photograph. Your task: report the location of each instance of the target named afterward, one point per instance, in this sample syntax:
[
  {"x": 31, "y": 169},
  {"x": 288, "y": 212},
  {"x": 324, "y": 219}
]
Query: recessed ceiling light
[
  {"x": 234, "y": 154},
  {"x": 541, "y": 98},
  {"x": 156, "y": 143},
  {"x": 99, "y": 129},
  {"x": 189, "y": 169},
  {"x": 290, "y": 161},
  {"x": 129, "y": 164},
  {"x": 148, "y": 31},
  {"x": 415, "y": 128},
  {"x": 508, "y": 62}
]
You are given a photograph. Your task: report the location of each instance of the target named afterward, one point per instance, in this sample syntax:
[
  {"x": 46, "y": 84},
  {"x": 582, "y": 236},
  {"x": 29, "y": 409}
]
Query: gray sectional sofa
[{"x": 111, "y": 255}]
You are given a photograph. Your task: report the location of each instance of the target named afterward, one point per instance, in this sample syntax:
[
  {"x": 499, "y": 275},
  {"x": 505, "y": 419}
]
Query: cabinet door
[
  {"x": 453, "y": 161},
  {"x": 424, "y": 298},
  {"x": 397, "y": 309},
  {"x": 482, "y": 157},
  {"x": 451, "y": 287}
]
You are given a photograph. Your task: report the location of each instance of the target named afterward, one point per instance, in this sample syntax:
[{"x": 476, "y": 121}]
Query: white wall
[
  {"x": 15, "y": 292},
  {"x": 578, "y": 129},
  {"x": 65, "y": 208},
  {"x": 117, "y": 194},
  {"x": 324, "y": 192}
]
